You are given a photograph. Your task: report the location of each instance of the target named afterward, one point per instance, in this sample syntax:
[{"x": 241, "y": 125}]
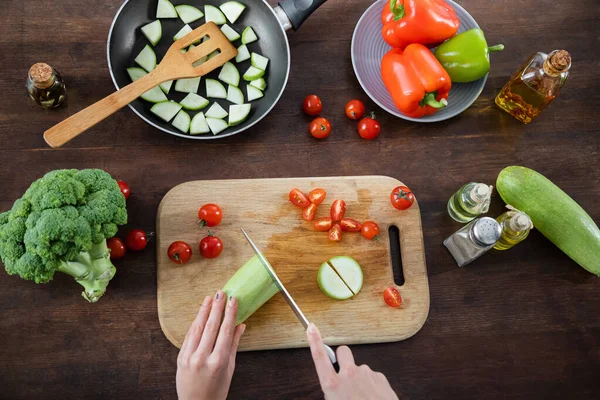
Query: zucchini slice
[
  {"x": 187, "y": 85},
  {"x": 259, "y": 83},
  {"x": 232, "y": 10},
  {"x": 215, "y": 89},
  {"x": 229, "y": 74},
  {"x": 165, "y": 9},
  {"x": 153, "y": 32},
  {"x": 213, "y": 14},
  {"x": 182, "y": 121},
  {"x": 182, "y": 32},
  {"x": 199, "y": 125},
  {"x": 230, "y": 33},
  {"x": 253, "y": 93},
  {"x": 216, "y": 125},
  {"x": 146, "y": 59},
  {"x": 243, "y": 54},
  {"x": 259, "y": 61},
  {"x": 235, "y": 95},
  {"x": 166, "y": 110},
  {"x": 248, "y": 36},
  {"x": 238, "y": 113},
  {"x": 188, "y": 14},
  {"x": 216, "y": 111},
  {"x": 193, "y": 102},
  {"x": 152, "y": 95},
  {"x": 253, "y": 73}
]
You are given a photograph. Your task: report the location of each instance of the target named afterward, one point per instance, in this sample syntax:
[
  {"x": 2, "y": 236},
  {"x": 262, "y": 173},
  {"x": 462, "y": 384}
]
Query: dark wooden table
[{"x": 518, "y": 324}]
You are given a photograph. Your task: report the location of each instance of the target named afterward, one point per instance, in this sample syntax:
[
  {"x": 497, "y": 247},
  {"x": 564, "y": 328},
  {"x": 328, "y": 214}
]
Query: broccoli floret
[{"x": 61, "y": 224}]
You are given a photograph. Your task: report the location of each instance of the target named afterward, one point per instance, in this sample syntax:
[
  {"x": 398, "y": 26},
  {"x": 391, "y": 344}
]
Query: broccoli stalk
[{"x": 93, "y": 270}]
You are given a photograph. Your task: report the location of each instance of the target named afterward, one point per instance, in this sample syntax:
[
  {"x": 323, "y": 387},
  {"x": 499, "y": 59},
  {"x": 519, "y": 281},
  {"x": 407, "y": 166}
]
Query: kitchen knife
[{"x": 286, "y": 295}]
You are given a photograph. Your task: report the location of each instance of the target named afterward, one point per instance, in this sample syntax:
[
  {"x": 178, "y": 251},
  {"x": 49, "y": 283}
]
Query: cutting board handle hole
[{"x": 396, "y": 253}]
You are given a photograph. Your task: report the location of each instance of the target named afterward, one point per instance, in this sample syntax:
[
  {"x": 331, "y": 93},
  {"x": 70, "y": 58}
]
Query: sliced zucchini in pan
[
  {"x": 188, "y": 14},
  {"x": 235, "y": 95},
  {"x": 199, "y": 124},
  {"x": 165, "y": 9},
  {"x": 248, "y": 36},
  {"x": 146, "y": 59},
  {"x": 215, "y": 89},
  {"x": 238, "y": 113},
  {"x": 230, "y": 33},
  {"x": 232, "y": 10},
  {"x": 153, "y": 32},
  {"x": 194, "y": 102},
  {"x": 213, "y": 14},
  {"x": 259, "y": 61},
  {"x": 243, "y": 54},
  {"x": 166, "y": 86},
  {"x": 253, "y": 73},
  {"x": 153, "y": 95},
  {"x": 166, "y": 110},
  {"x": 216, "y": 125},
  {"x": 216, "y": 111},
  {"x": 253, "y": 93},
  {"x": 188, "y": 85},
  {"x": 182, "y": 121},
  {"x": 229, "y": 74},
  {"x": 182, "y": 32},
  {"x": 259, "y": 83}
]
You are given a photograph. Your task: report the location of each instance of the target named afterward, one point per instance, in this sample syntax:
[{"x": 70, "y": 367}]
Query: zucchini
[
  {"x": 216, "y": 125},
  {"x": 259, "y": 61},
  {"x": 243, "y": 54},
  {"x": 187, "y": 85},
  {"x": 182, "y": 32},
  {"x": 182, "y": 121},
  {"x": 253, "y": 93},
  {"x": 165, "y": 9},
  {"x": 238, "y": 113},
  {"x": 166, "y": 110},
  {"x": 235, "y": 95},
  {"x": 215, "y": 89},
  {"x": 166, "y": 86},
  {"x": 193, "y": 102},
  {"x": 199, "y": 125},
  {"x": 188, "y": 14},
  {"x": 248, "y": 36},
  {"x": 153, "y": 95},
  {"x": 230, "y": 33},
  {"x": 153, "y": 32},
  {"x": 259, "y": 83},
  {"x": 232, "y": 10},
  {"x": 253, "y": 73},
  {"x": 229, "y": 74},
  {"x": 146, "y": 59},
  {"x": 216, "y": 111},
  {"x": 556, "y": 215},
  {"x": 213, "y": 14}
]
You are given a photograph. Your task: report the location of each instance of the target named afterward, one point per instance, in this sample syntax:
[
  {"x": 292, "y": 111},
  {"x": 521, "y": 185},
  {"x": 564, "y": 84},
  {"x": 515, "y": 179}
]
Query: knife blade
[{"x": 286, "y": 295}]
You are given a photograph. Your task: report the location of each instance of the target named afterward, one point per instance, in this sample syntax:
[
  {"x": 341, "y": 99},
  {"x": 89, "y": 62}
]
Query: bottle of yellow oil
[
  {"x": 470, "y": 201},
  {"x": 515, "y": 228}
]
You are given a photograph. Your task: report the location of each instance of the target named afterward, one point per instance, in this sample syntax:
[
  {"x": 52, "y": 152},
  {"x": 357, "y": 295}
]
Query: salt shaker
[{"x": 473, "y": 240}]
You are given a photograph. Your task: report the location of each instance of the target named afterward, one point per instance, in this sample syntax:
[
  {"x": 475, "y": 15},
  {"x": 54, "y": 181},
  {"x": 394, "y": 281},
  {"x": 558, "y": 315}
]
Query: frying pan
[
  {"x": 368, "y": 48},
  {"x": 125, "y": 41}
]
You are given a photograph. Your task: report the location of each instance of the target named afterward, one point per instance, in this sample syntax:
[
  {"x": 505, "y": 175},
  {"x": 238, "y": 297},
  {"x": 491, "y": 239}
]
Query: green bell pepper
[{"x": 466, "y": 56}]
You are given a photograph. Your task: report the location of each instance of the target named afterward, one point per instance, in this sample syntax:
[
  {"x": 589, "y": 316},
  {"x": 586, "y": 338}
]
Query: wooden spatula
[{"x": 174, "y": 65}]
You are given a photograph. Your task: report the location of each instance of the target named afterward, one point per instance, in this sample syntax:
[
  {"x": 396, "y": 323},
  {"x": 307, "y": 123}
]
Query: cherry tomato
[
  {"x": 298, "y": 198},
  {"x": 335, "y": 233},
  {"x": 350, "y": 225},
  {"x": 117, "y": 248},
  {"x": 211, "y": 246},
  {"x": 320, "y": 128},
  {"x": 370, "y": 230},
  {"x": 323, "y": 224},
  {"x": 402, "y": 198},
  {"x": 355, "y": 109},
  {"x": 310, "y": 212},
  {"x": 136, "y": 240},
  {"x": 369, "y": 128},
  {"x": 179, "y": 252},
  {"x": 392, "y": 297},
  {"x": 317, "y": 196},
  {"x": 312, "y": 105},
  {"x": 124, "y": 189},
  {"x": 338, "y": 210},
  {"x": 209, "y": 215}
]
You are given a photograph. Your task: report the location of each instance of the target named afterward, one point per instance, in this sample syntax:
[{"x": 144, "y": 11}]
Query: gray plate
[{"x": 368, "y": 48}]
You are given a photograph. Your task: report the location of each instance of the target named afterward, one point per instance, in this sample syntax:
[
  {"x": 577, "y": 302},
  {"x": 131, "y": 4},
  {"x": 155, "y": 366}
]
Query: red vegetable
[
  {"x": 309, "y": 212},
  {"x": 323, "y": 224},
  {"x": 350, "y": 225},
  {"x": 338, "y": 210},
  {"x": 317, "y": 196},
  {"x": 211, "y": 246},
  {"x": 312, "y": 105},
  {"x": 209, "y": 215},
  {"x": 355, "y": 109},
  {"x": 335, "y": 233},
  {"x": 179, "y": 252},
  {"x": 370, "y": 230},
  {"x": 117, "y": 248},
  {"x": 298, "y": 198},
  {"x": 369, "y": 128},
  {"x": 402, "y": 198},
  {"x": 320, "y": 128},
  {"x": 136, "y": 240},
  {"x": 392, "y": 297},
  {"x": 124, "y": 189}
]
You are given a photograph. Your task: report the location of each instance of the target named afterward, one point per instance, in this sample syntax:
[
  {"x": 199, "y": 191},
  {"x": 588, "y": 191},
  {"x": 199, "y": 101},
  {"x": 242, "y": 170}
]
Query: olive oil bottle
[
  {"x": 45, "y": 86},
  {"x": 471, "y": 200},
  {"x": 515, "y": 228}
]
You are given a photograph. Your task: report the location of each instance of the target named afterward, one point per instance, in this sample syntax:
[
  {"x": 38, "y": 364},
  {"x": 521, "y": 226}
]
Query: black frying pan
[{"x": 125, "y": 41}]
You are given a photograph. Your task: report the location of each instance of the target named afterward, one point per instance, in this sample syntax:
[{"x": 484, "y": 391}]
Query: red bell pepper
[
  {"x": 416, "y": 80},
  {"x": 426, "y": 22}
]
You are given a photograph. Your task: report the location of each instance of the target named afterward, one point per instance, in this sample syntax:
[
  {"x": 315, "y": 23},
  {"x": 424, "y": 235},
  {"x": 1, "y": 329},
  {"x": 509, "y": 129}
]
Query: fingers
[
  {"x": 345, "y": 357},
  {"x": 235, "y": 344},
  {"x": 192, "y": 338},
  {"x": 207, "y": 342},
  {"x": 321, "y": 359},
  {"x": 225, "y": 338}
]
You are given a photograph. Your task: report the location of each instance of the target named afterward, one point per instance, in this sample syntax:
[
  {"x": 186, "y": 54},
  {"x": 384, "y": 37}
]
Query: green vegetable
[
  {"x": 61, "y": 224},
  {"x": 252, "y": 286},
  {"x": 466, "y": 56},
  {"x": 556, "y": 215},
  {"x": 340, "y": 278}
]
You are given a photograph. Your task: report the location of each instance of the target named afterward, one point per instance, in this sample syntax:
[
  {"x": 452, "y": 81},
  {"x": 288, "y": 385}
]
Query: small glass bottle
[
  {"x": 45, "y": 86},
  {"x": 473, "y": 240},
  {"x": 470, "y": 201},
  {"x": 515, "y": 228},
  {"x": 533, "y": 87}
]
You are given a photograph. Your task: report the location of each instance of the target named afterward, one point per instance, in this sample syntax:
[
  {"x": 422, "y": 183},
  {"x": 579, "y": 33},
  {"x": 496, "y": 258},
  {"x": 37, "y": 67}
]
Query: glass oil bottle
[
  {"x": 473, "y": 240},
  {"x": 515, "y": 228},
  {"x": 470, "y": 201},
  {"x": 45, "y": 86},
  {"x": 533, "y": 87}
]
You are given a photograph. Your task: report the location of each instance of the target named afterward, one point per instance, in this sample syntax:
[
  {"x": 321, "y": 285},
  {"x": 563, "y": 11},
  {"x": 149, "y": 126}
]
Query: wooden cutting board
[{"x": 296, "y": 252}]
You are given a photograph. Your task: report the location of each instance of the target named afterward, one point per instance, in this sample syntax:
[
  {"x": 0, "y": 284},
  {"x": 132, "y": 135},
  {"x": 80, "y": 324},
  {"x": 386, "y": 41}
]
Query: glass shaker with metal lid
[{"x": 473, "y": 240}]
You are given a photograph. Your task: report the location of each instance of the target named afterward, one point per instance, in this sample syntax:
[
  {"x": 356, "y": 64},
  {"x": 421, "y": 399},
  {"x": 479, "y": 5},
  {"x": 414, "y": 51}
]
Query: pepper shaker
[{"x": 473, "y": 240}]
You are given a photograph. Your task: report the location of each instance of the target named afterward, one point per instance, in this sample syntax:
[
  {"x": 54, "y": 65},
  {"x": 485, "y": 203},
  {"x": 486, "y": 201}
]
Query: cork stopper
[
  {"x": 42, "y": 75},
  {"x": 561, "y": 60}
]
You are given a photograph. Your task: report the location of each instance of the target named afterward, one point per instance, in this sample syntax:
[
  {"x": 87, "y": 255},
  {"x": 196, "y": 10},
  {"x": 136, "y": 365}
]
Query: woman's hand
[
  {"x": 352, "y": 382},
  {"x": 207, "y": 357}
]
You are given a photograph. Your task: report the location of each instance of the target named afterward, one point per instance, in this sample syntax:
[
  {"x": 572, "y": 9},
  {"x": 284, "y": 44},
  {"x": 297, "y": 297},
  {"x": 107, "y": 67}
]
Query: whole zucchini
[{"x": 556, "y": 215}]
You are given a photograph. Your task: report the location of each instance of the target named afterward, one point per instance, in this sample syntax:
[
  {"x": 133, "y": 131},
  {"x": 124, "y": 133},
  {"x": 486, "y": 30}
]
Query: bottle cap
[
  {"x": 521, "y": 222},
  {"x": 485, "y": 231},
  {"x": 482, "y": 190},
  {"x": 42, "y": 75},
  {"x": 561, "y": 60}
]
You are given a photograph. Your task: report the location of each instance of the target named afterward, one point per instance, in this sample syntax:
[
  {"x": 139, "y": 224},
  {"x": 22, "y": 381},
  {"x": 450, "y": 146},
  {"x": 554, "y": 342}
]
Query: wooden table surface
[{"x": 519, "y": 324}]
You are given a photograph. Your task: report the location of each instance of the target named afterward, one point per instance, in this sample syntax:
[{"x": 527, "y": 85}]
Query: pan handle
[{"x": 298, "y": 10}]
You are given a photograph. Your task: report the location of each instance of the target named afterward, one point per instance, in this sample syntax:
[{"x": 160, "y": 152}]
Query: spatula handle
[{"x": 77, "y": 124}]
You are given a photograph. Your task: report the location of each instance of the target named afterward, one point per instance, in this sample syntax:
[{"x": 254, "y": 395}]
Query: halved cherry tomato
[
  {"x": 209, "y": 215},
  {"x": 323, "y": 224},
  {"x": 338, "y": 210},
  {"x": 211, "y": 246},
  {"x": 370, "y": 230},
  {"x": 320, "y": 128},
  {"x": 298, "y": 198},
  {"x": 179, "y": 252},
  {"x": 350, "y": 225},
  {"x": 335, "y": 233},
  {"x": 402, "y": 198},
  {"x": 355, "y": 109},
  {"x": 369, "y": 128},
  {"x": 392, "y": 297},
  {"x": 124, "y": 187},
  {"x": 136, "y": 240},
  {"x": 310, "y": 212},
  {"x": 317, "y": 196},
  {"x": 117, "y": 248},
  {"x": 312, "y": 105}
]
